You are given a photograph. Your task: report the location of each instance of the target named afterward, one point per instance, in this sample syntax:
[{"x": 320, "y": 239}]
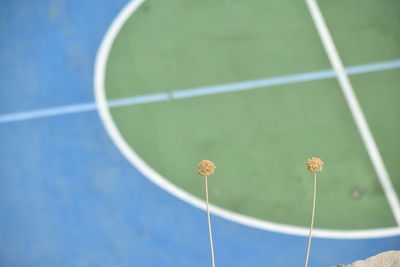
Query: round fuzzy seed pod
[
  {"x": 206, "y": 168},
  {"x": 314, "y": 165}
]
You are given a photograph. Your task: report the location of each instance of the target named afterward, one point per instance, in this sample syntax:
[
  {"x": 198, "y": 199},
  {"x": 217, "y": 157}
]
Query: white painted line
[
  {"x": 139, "y": 100},
  {"x": 200, "y": 91},
  {"x": 49, "y": 112},
  {"x": 373, "y": 67},
  {"x": 254, "y": 84},
  {"x": 355, "y": 109},
  {"x": 157, "y": 179}
]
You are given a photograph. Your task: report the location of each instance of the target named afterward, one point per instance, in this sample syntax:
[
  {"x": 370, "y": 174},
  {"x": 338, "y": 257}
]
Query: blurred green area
[{"x": 261, "y": 139}]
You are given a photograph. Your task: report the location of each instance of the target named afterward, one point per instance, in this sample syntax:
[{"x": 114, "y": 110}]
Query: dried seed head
[
  {"x": 314, "y": 165},
  {"x": 206, "y": 168}
]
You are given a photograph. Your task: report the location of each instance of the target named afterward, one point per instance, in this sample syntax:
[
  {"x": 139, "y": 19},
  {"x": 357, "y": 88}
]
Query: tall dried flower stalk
[
  {"x": 313, "y": 165},
  {"x": 205, "y": 169}
]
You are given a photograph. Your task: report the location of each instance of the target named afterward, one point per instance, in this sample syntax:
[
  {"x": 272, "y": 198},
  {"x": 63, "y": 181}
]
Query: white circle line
[{"x": 157, "y": 179}]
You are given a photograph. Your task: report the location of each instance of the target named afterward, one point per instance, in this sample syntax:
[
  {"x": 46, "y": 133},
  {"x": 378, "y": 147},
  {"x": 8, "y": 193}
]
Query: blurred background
[{"x": 107, "y": 107}]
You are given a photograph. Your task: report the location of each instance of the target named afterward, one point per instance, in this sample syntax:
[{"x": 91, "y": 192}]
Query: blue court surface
[{"x": 69, "y": 197}]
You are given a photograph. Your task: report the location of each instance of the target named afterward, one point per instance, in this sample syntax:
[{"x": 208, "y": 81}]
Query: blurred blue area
[
  {"x": 67, "y": 195},
  {"x": 47, "y": 51}
]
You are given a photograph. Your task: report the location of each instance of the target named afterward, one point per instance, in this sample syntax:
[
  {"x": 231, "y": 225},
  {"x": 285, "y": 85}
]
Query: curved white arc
[{"x": 156, "y": 178}]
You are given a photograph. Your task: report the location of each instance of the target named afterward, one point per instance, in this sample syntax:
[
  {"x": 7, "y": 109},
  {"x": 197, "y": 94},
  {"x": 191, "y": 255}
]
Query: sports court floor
[{"x": 106, "y": 107}]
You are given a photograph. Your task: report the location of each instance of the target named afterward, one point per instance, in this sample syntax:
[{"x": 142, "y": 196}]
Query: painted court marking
[
  {"x": 156, "y": 178},
  {"x": 199, "y": 91},
  {"x": 355, "y": 109}
]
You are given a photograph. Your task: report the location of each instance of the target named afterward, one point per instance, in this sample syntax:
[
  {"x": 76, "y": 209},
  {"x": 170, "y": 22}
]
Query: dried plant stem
[
  {"x": 209, "y": 224},
  {"x": 312, "y": 220}
]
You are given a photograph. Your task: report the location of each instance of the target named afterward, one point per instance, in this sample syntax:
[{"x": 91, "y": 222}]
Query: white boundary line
[
  {"x": 355, "y": 109},
  {"x": 152, "y": 175}
]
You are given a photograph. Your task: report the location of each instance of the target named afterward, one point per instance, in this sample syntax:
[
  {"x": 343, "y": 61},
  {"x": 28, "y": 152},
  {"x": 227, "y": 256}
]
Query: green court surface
[
  {"x": 364, "y": 31},
  {"x": 179, "y": 44},
  {"x": 379, "y": 95},
  {"x": 259, "y": 139}
]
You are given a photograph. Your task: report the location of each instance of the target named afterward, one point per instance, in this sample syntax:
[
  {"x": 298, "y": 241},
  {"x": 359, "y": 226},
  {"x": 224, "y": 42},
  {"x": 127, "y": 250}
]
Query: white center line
[
  {"x": 199, "y": 91},
  {"x": 355, "y": 109}
]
